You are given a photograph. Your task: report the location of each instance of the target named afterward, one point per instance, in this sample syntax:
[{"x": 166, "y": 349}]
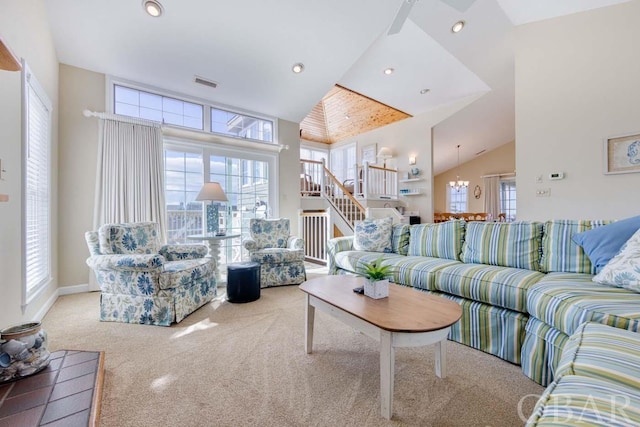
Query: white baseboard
[
  {"x": 77, "y": 289},
  {"x": 65, "y": 290},
  {"x": 46, "y": 306}
]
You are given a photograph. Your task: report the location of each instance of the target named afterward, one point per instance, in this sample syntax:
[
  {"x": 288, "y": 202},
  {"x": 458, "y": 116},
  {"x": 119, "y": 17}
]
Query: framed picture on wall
[
  {"x": 368, "y": 154},
  {"x": 622, "y": 154}
]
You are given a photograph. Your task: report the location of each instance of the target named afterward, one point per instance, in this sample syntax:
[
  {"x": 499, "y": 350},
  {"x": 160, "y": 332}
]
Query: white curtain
[
  {"x": 492, "y": 196},
  {"x": 130, "y": 174}
]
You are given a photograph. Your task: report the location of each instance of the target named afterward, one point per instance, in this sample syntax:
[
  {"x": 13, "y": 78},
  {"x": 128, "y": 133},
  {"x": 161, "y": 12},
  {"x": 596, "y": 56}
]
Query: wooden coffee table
[{"x": 407, "y": 318}]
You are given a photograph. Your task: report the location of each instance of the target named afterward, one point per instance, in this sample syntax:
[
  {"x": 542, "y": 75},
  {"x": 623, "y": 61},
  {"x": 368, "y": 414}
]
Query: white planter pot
[{"x": 377, "y": 289}]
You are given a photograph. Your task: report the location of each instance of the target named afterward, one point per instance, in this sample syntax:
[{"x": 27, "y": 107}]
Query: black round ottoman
[{"x": 243, "y": 282}]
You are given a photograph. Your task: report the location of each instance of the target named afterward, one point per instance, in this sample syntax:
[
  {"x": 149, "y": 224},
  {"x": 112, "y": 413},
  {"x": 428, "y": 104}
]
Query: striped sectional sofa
[
  {"x": 524, "y": 287},
  {"x": 597, "y": 380}
]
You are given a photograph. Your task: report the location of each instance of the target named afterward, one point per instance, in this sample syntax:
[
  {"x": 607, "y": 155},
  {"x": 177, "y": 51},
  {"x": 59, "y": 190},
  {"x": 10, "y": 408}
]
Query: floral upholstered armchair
[
  {"x": 144, "y": 282},
  {"x": 280, "y": 255}
]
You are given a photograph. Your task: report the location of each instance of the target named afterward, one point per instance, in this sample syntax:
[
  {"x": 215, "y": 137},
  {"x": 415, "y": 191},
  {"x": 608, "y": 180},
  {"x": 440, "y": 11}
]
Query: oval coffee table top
[{"x": 404, "y": 310}]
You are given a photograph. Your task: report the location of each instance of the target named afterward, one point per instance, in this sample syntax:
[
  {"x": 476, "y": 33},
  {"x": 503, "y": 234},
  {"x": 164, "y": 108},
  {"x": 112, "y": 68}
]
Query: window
[
  {"x": 246, "y": 184},
  {"x": 312, "y": 171},
  {"x": 457, "y": 199},
  {"x": 145, "y": 105},
  {"x": 238, "y": 125},
  {"x": 244, "y": 178},
  {"x": 508, "y": 199},
  {"x": 189, "y": 113},
  {"x": 313, "y": 154},
  {"x": 343, "y": 161},
  {"x": 37, "y": 172},
  {"x": 183, "y": 178}
]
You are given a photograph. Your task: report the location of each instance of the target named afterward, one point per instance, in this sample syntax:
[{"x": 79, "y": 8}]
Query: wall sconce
[{"x": 412, "y": 159}]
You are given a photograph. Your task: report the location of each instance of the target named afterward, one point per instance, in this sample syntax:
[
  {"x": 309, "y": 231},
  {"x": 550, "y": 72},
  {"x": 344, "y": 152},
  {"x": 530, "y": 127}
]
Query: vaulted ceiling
[
  {"x": 343, "y": 113},
  {"x": 248, "y": 47}
]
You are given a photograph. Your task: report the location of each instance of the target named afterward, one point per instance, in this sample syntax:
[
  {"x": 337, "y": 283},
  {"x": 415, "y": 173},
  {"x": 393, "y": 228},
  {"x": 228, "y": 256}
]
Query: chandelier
[{"x": 458, "y": 184}]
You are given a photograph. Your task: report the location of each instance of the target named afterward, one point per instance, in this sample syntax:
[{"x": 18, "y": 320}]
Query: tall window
[
  {"x": 238, "y": 125},
  {"x": 343, "y": 160},
  {"x": 244, "y": 179},
  {"x": 457, "y": 199},
  {"x": 37, "y": 172},
  {"x": 246, "y": 184},
  {"x": 145, "y": 105},
  {"x": 313, "y": 171},
  {"x": 183, "y": 179},
  {"x": 508, "y": 199}
]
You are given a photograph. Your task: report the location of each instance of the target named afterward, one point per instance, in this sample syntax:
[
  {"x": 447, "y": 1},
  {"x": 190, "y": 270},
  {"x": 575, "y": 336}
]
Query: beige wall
[
  {"x": 499, "y": 160},
  {"x": 24, "y": 28},
  {"x": 289, "y": 173},
  {"x": 577, "y": 82},
  {"x": 79, "y": 89}
]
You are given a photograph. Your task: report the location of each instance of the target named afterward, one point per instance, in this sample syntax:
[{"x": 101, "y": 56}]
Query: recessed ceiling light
[
  {"x": 153, "y": 8},
  {"x": 388, "y": 71},
  {"x": 457, "y": 27},
  {"x": 423, "y": 91},
  {"x": 298, "y": 68}
]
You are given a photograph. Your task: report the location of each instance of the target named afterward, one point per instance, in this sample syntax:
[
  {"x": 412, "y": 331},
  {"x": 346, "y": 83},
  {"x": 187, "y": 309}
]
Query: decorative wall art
[
  {"x": 368, "y": 154},
  {"x": 622, "y": 154}
]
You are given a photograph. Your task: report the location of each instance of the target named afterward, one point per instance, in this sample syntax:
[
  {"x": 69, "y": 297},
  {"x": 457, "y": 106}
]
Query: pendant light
[{"x": 458, "y": 184}]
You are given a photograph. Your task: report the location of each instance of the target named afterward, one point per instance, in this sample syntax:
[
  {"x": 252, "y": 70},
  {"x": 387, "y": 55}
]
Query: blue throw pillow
[{"x": 603, "y": 243}]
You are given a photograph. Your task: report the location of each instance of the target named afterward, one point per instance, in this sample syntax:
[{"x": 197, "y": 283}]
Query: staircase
[
  {"x": 317, "y": 181},
  {"x": 320, "y": 190}
]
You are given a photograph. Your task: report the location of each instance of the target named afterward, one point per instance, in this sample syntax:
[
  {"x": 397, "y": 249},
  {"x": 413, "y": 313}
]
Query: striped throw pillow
[
  {"x": 442, "y": 240},
  {"x": 515, "y": 244},
  {"x": 560, "y": 253},
  {"x": 400, "y": 238}
]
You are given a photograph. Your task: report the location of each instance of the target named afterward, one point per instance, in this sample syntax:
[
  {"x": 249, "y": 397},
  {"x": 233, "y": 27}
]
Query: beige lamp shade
[
  {"x": 212, "y": 191},
  {"x": 385, "y": 153}
]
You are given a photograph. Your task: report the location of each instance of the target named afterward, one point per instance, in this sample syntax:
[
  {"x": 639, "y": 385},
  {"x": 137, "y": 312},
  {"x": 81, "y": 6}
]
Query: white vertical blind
[{"x": 37, "y": 186}]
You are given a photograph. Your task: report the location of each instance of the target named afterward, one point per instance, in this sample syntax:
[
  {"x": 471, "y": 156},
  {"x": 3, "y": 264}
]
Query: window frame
[
  {"x": 29, "y": 81},
  {"x": 207, "y": 105},
  {"x": 162, "y": 110},
  {"x": 511, "y": 201},
  {"x": 348, "y": 170},
  {"x": 243, "y": 116},
  {"x": 206, "y": 150},
  {"x": 449, "y": 193}
]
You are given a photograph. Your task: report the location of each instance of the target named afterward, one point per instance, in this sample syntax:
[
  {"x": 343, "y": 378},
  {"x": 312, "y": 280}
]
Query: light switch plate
[{"x": 543, "y": 192}]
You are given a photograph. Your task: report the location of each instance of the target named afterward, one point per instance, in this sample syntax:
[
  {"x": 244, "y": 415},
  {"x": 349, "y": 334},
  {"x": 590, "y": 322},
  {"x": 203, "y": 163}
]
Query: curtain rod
[
  {"x": 500, "y": 175},
  {"x": 119, "y": 118}
]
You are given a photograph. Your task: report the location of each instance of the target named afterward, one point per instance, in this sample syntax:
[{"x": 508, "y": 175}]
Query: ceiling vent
[{"x": 205, "y": 82}]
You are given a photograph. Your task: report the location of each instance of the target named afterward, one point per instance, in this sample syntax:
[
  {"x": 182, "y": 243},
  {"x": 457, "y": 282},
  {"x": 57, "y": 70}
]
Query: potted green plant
[{"x": 376, "y": 283}]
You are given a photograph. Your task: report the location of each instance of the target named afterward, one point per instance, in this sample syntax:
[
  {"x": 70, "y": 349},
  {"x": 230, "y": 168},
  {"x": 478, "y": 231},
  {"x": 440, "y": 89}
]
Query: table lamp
[
  {"x": 385, "y": 154},
  {"x": 213, "y": 192}
]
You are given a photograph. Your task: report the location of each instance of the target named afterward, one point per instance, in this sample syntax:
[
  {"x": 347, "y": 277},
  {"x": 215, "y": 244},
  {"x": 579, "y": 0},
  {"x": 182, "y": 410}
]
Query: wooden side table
[{"x": 213, "y": 243}]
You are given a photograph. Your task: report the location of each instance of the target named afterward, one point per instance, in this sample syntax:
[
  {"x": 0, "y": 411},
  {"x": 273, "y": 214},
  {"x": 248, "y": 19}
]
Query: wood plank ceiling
[{"x": 343, "y": 113}]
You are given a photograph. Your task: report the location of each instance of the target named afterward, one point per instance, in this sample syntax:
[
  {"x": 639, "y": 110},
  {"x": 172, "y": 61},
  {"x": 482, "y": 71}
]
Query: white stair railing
[{"x": 315, "y": 230}]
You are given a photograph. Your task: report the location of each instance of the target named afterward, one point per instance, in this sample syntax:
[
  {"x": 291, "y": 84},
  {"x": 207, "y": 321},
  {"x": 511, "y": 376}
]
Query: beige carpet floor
[{"x": 244, "y": 364}]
